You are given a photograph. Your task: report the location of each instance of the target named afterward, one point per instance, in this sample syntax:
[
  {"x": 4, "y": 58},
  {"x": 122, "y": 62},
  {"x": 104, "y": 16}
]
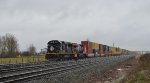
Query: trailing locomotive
[{"x": 60, "y": 50}]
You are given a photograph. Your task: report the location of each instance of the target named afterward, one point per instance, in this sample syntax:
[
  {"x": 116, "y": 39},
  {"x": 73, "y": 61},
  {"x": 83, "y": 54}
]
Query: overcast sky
[{"x": 126, "y": 23}]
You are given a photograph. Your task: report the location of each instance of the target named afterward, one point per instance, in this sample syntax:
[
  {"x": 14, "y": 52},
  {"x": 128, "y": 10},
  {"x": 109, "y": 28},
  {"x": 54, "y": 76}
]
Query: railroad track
[
  {"x": 4, "y": 72},
  {"x": 4, "y": 66},
  {"x": 49, "y": 71},
  {"x": 44, "y": 69},
  {"x": 14, "y": 68}
]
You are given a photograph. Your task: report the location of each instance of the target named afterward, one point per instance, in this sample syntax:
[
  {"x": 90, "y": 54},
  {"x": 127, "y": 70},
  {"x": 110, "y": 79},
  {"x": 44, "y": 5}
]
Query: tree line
[{"x": 9, "y": 47}]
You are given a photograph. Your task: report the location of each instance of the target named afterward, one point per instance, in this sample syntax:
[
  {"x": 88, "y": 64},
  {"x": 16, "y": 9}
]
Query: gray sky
[{"x": 123, "y": 22}]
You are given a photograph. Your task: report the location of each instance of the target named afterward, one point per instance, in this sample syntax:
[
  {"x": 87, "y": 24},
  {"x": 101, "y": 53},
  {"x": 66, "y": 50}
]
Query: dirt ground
[{"x": 118, "y": 73}]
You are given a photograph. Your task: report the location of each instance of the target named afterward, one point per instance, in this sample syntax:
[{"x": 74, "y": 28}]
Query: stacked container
[
  {"x": 115, "y": 51},
  {"x": 118, "y": 50},
  {"x": 110, "y": 50},
  {"x": 95, "y": 48},
  {"x": 101, "y": 52},
  {"x": 106, "y": 50},
  {"x": 87, "y": 46}
]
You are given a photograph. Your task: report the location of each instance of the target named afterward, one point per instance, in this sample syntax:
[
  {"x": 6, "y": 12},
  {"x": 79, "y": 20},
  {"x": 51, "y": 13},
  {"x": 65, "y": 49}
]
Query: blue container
[{"x": 105, "y": 48}]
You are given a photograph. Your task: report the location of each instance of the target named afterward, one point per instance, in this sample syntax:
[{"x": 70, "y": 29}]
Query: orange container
[{"x": 87, "y": 46}]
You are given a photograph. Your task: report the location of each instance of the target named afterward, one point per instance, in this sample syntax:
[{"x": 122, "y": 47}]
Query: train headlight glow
[{"x": 51, "y": 48}]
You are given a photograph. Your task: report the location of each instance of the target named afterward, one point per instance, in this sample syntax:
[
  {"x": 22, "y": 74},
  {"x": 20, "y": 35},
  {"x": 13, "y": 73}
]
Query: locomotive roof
[{"x": 58, "y": 41}]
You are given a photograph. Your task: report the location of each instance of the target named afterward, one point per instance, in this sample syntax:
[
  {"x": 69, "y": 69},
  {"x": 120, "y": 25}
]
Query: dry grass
[
  {"x": 21, "y": 60},
  {"x": 141, "y": 74}
]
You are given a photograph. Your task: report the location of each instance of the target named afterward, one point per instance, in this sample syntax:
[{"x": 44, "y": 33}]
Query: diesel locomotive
[{"x": 61, "y": 50}]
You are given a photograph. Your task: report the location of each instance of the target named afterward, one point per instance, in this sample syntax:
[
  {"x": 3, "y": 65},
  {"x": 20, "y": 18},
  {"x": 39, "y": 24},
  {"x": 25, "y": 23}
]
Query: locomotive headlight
[{"x": 51, "y": 48}]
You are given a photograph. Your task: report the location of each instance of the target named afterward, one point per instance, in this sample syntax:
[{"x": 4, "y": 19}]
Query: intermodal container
[
  {"x": 101, "y": 52},
  {"x": 118, "y": 50},
  {"x": 105, "y": 49},
  {"x": 91, "y": 48},
  {"x": 113, "y": 50},
  {"x": 87, "y": 46},
  {"x": 95, "y": 46}
]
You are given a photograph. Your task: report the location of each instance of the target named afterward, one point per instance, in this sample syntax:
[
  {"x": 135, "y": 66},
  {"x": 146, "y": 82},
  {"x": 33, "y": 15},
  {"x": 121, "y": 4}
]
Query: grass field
[
  {"x": 142, "y": 73},
  {"x": 21, "y": 60}
]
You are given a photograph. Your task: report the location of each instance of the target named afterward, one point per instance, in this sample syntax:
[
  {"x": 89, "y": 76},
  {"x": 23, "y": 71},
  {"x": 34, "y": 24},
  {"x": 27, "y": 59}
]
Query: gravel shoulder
[{"x": 118, "y": 73}]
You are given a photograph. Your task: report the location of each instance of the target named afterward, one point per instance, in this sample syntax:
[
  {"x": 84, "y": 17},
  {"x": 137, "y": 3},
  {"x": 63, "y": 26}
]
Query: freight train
[{"x": 61, "y": 50}]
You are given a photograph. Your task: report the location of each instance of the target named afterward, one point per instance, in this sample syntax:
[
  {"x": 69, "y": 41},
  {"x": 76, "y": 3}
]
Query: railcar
[
  {"x": 101, "y": 51},
  {"x": 91, "y": 49},
  {"x": 106, "y": 50}
]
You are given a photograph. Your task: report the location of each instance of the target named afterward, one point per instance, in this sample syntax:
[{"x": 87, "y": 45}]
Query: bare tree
[
  {"x": 9, "y": 45},
  {"x": 32, "y": 49}
]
